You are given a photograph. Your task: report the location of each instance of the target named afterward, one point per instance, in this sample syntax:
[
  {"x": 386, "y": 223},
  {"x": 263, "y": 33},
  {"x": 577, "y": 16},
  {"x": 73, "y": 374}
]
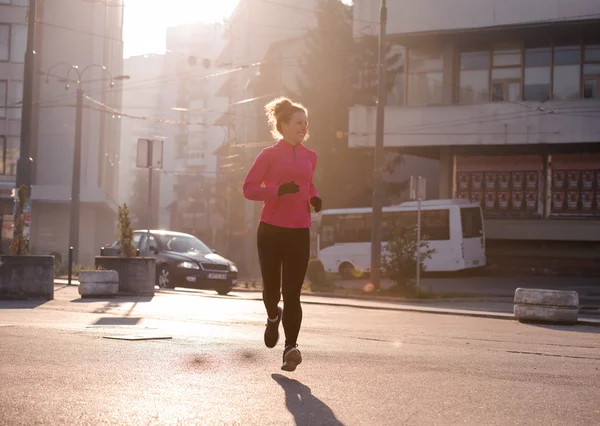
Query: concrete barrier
[
  {"x": 99, "y": 283},
  {"x": 546, "y": 306},
  {"x": 137, "y": 275},
  {"x": 27, "y": 277}
]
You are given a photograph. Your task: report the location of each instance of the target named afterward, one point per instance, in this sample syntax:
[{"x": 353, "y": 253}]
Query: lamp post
[{"x": 76, "y": 176}]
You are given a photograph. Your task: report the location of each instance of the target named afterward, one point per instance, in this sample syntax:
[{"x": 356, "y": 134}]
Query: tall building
[
  {"x": 13, "y": 41},
  {"x": 144, "y": 106},
  {"x": 192, "y": 51},
  {"x": 87, "y": 35},
  {"x": 505, "y": 94}
]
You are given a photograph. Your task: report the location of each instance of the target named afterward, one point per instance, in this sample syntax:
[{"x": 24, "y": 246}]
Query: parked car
[{"x": 182, "y": 260}]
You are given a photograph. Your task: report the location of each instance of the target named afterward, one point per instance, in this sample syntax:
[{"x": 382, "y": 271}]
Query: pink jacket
[{"x": 277, "y": 164}]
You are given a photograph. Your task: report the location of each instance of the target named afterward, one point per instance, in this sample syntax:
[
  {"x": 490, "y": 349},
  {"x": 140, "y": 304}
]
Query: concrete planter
[
  {"x": 137, "y": 275},
  {"x": 27, "y": 277},
  {"x": 98, "y": 283},
  {"x": 546, "y": 306}
]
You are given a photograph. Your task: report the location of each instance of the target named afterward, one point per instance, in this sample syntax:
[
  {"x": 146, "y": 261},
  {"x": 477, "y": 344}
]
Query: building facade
[
  {"x": 93, "y": 33},
  {"x": 505, "y": 94},
  {"x": 13, "y": 41}
]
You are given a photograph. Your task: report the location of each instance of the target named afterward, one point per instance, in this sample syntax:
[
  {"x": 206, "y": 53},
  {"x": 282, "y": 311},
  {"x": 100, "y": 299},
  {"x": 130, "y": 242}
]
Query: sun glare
[{"x": 146, "y": 21}]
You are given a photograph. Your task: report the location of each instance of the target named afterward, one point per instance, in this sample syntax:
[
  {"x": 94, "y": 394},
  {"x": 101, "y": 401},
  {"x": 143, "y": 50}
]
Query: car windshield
[{"x": 183, "y": 244}]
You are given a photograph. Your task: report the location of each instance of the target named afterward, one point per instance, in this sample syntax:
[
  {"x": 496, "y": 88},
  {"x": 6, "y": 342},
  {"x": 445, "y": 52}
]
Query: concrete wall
[{"x": 408, "y": 16}]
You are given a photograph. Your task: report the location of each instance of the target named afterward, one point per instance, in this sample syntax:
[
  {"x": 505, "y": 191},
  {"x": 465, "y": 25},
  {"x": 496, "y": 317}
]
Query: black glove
[
  {"x": 317, "y": 204},
  {"x": 288, "y": 188}
]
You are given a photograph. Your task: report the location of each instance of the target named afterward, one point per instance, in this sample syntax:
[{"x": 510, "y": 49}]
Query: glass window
[
  {"x": 506, "y": 91},
  {"x": 425, "y": 78},
  {"x": 566, "y": 83},
  {"x": 3, "y": 93},
  {"x": 435, "y": 225},
  {"x": 537, "y": 74},
  {"x": 4, "y": 42},
  {"x": 472, "y": 226},
  {"x": 18, "y": 43},
  {"x": 15, "y": 100},
  {"x": 507, "y": 57},
  {"x": 590, "y": 88},
  {"x": 592, "y": 53},
  {"x": 537, "y": 84},
  {"x": 12, "y": 155},
  {"x": 591, "y": 69},
  {"x": 567, "y": 69},
  {"x": 2, "y": 146},
  {"x": 567, "y": 55},
  {"x": 396, "y": 96},
  {"x": 506, "y": 73},
  {"x": 474, "y": 77}
]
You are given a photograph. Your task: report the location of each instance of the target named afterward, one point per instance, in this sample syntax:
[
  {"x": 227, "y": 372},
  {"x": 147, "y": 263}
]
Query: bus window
[
  {"x": 470, "y": 218},
  {"x": 352, "y": 229},
  {"x": 436, "y": 224}
]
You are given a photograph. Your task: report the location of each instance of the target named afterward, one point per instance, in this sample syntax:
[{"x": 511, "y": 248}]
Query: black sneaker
[
  {"x": 272, "y": 331},
  {"x": 291, "y": 358}
]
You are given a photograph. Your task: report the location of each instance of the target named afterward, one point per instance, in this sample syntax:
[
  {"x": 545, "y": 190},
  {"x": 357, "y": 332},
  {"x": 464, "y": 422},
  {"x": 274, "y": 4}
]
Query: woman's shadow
[{"x": 306, "y": 408}]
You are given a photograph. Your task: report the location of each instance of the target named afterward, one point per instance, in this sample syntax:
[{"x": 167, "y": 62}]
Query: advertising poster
[
  {"x": 491, "y": 179},
  {"x": 587, "y": 180},
  {"x": 517, "y": 181},
  {"x": 463, "y": 195},
  {"x": 573, "y": 179},
  {"x": 559, "y": 179},
  {"x": 587, "y": 201},
  {"x": 532, "y": 180},
  {"x": 503, "y": 199},
  {"x": 532, "y": 200},
  {"x": 464, "y": 180},
  {"x": 573, "y": 200},
  {"x": 476, "y": 197},
  {"x": 477, "y": 181},
  {"x": 517, "y": 200},
  {"x": 598, "y": 179},
  {"x": 558, "y": 201},
  {"x": 504, "y": 181},
  {"x": 490, "y": 200}
]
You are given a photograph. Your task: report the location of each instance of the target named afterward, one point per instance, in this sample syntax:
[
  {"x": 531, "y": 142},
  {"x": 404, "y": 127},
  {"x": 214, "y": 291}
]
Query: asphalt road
[{"x": 361, "y": 366}]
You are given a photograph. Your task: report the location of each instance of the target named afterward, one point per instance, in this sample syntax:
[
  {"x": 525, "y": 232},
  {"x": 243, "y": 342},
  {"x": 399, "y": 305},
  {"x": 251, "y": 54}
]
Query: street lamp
[{"x": 76, "y": 177}]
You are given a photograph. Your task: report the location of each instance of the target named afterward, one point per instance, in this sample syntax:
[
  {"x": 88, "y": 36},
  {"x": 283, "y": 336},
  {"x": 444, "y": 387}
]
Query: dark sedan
[{"x": 182, "y": 260}]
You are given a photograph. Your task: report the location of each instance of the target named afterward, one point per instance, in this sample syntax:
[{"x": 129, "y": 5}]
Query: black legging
[{"x": 287, "y": 250}]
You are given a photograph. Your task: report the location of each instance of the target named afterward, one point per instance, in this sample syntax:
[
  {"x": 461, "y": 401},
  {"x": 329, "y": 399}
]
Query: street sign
[
  {"x": 418, "y": 188},
  {"x": 149, "y": 154}
]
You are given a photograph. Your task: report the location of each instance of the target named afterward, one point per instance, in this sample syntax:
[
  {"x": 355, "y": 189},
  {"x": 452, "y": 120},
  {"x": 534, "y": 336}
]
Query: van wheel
[{"x": 347, "y": 271}]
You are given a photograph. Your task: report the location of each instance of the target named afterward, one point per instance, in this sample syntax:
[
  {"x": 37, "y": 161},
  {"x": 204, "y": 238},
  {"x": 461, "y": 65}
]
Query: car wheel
[
  {"x": 163, "y": 278},
  {"x": 347, "y": 271},
  {"x": 223, "y": 291}
]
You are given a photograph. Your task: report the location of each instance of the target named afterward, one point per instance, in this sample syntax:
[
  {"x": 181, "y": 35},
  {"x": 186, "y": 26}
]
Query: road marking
[{"x": 134, "y": 337}]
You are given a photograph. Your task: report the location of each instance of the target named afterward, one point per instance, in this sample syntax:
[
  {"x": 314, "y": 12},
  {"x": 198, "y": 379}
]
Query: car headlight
[
  {"x": 233, "y": 268},
  {"x": 188, "y": 265}
]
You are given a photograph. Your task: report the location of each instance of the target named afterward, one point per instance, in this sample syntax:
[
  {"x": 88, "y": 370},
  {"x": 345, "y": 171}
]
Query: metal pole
[
  {"x": 418, "y": 253},
  {"x": 378, "y": 158},
  {"x": 25, "y": 162},
  {"x": 150, "y": 151},
  {"x": 76, "y": 178},
  {"x": 70, "y": 260}
]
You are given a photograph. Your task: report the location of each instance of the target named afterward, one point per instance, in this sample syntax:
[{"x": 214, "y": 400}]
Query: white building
[
  {"x": 505, "y": 93},
  {"x": 87, "y": 35},
  {"x": 13, "y": 41}
]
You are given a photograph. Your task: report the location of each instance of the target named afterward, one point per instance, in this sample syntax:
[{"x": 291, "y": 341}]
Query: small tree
[
  {"x": 18, "y": 245},
  {"x": 400, "y": 260},
  {"x": 125, "y": 233}
]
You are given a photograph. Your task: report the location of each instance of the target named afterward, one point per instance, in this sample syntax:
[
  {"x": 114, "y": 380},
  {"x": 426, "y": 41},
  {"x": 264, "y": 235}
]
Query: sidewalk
[{"x": 496, "y": 308}]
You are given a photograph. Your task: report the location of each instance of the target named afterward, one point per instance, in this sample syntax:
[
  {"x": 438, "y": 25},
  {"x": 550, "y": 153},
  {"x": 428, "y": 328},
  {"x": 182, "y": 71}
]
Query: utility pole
[
  {"x": 25, "y": 162},
  {"x": 76, "y": 179},
  {"x": 378, "y": 156}
]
